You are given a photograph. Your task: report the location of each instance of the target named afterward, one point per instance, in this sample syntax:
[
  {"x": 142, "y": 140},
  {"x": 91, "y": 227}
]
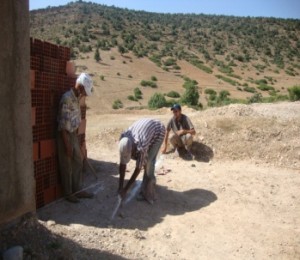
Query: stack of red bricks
[{"x": 51, "y": 75}]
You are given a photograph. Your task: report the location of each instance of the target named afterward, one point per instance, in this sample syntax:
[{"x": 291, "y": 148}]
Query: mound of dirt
[{"x": 260, "y": 132}]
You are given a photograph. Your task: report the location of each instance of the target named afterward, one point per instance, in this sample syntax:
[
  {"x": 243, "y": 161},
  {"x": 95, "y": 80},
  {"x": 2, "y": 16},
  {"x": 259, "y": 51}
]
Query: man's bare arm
[{"x": 164, "y": 148}]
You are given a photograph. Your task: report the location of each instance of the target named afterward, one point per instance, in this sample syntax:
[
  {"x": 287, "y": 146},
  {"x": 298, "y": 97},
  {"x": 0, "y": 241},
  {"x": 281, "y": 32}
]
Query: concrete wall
[{"x": 17, "y": 186}]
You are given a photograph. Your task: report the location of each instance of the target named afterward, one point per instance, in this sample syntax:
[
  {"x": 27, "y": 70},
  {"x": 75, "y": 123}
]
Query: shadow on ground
[
  {"x": 40, "y": 243},
  {"x": 134, "y": 215},
  {"x": 141, "y": 215},
  {"x": 202, "y": 152}
]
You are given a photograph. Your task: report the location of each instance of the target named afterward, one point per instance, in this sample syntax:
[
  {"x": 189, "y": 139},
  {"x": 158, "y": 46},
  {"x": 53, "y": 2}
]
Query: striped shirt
[{"x": 144, "y": 133}]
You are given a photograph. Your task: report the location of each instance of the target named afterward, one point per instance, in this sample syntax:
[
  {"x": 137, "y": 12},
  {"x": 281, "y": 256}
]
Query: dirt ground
[{"x": 238, "y": 199}]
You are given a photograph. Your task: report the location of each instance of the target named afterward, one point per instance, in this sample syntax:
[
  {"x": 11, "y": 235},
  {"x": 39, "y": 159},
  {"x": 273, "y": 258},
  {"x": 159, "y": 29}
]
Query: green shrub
[
  {"x": 256, "y": 98},
  {"x": 274, "y": 98},
  {"x": 199, "y": 64},
  {"x": 228, "y": 80},
  {"x": 249, "y": 89},
  {"x": 290, "y": 72},
  {"x": 264, "y": 87},
  {"x": 157, "y": 101},
  {"x": 117, "y": 104},
  {"x": 153, "y": 78},
  {"x": 132, "y": 98},
  {"x": 146, "y": 83},
  {"x": 234, "y": 75},
  {"x": 225, "y": 69},
  {"x": 102, "y": 77},
  {"x": 261, "y": 82},
  {"x": 97, "y": 55},
  {"x": 294, "y": 93},
  {"x": 173, "y": 94},
  {"x": 187, "y": 84},
  {"x": 156, "y": 59},
  {"x": 170, "y": 62},
  {"x": 176, "y": 67},
  {"x": 138, "y": 93},
  {"x": 210, "y": 91},
  {"x": 223, "y": 95},
  {"x": 121, "y": 49},
  {"x": 191, "y": 96}
]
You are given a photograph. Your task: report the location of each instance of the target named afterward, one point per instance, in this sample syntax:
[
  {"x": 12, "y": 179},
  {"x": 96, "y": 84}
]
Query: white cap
[
  {"x": 86, "y": 81},
  {"x": 125, "y": 147}
]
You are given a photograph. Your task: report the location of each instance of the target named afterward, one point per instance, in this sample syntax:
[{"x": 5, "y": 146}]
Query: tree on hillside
[
  {"x": 191, "y": 95},
  {"x": 121, "y": 49},
  {"x": 157, "y": 101},
  {"x": 97, "y": 55}
]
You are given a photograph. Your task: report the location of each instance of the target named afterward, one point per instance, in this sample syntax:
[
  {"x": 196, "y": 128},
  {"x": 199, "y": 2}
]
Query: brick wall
[{"x": 51, "y": 75}]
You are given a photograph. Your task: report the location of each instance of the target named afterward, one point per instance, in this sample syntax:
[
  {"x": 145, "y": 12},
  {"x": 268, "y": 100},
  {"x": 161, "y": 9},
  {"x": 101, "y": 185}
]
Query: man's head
[
  {"x": 125, "y": 148},
  {"x": 84, "y": 84},
  {"x": 176, "y": 108}
]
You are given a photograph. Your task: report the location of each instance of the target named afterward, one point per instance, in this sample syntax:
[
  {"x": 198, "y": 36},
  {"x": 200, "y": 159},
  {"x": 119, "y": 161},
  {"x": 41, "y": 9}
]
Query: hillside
[{"x": 244, "y": 56}]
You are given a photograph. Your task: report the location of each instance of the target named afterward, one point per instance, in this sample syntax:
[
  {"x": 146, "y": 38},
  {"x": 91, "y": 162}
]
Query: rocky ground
[{"x": 238, "y": 199}]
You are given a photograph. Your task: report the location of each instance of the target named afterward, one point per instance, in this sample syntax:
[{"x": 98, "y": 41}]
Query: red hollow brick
[
  {"x": 33, "y": 116},
  {"x": 70, "y": 68},
  {"x": 39, "y": 199},
  {"x": 45, "y": 167},
  {"x": 49, "y": 195},
  {"x": 35, "y": 63},
  {"x": 47, "y": 148},
  {"x": 35, "y": 150},
  {"x": 37, "y": 49},
  {"x": 32, "y": 79},
  {"x": 43, "y": 132}
]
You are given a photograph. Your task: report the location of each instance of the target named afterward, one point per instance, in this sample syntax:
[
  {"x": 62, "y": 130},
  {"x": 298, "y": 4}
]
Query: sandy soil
[{"x": 239, "y": 198}]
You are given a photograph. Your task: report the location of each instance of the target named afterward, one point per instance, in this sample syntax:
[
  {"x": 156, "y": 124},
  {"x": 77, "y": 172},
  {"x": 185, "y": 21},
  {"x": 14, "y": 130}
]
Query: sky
[{"x": 253, "y": 8}]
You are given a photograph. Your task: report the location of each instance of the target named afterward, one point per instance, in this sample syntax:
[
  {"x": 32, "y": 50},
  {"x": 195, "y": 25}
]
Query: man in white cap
[
  {"x": 141, "y": 142},
  {"x": 69, "y": 153}
]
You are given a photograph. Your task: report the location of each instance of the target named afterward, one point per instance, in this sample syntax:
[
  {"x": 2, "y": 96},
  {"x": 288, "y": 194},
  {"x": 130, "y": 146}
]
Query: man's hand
[{"x": 180, "y": 132}]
